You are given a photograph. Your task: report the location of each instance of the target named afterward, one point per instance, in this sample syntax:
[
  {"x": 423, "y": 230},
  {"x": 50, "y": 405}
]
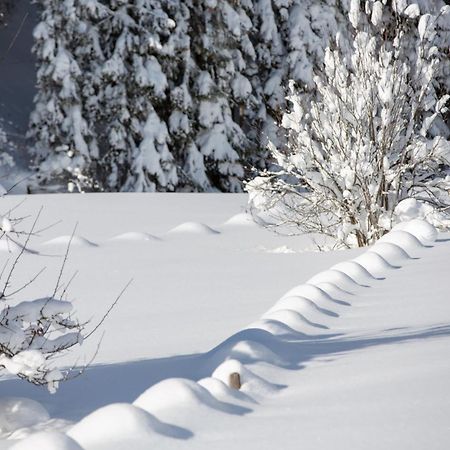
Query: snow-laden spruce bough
[
  {"x": 167, "y": 95},
  {"x": 276, "y": 339}
]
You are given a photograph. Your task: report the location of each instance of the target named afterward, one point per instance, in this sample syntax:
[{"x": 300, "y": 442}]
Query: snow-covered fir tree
[
  {"x": 185, "y": 94},
  {"x": 220, "y": 46},
  {"x": 133, "y": 85},
  {"x": 367, "y": 143},
  {"x": 68, "y": 53}
]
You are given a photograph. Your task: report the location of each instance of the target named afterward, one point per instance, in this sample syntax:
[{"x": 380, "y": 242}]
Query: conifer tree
[
  {"x": 133, "y": 84},
  {"x": 66, "y": 46}
]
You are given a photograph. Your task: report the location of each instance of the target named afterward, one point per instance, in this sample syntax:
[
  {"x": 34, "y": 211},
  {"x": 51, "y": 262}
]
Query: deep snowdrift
[{"x": 352, "y": 357}]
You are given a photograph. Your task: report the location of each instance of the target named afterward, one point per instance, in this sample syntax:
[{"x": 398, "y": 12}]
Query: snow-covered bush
[
  {"x": 365, "y": 144},
  {"x": 33, "y": 333}
]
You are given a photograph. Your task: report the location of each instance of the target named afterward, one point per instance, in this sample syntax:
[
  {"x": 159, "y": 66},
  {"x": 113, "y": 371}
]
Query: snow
[
  {"x": 421, "y": 229},
  {"x": 76, "y": 241},
  {"x": 120, "y": 422},
  {"x": 135, "y": 236},
  {"x": 407, "y": 241},
  {"x": 16, "y": 413},
  {"x": 241, "y": 219},
  {"x": 347, "y": 349},
  {"x": 391, "y": 253},
  {"x": 49, "y": 441},
  {"x": 193, "y": 228}
]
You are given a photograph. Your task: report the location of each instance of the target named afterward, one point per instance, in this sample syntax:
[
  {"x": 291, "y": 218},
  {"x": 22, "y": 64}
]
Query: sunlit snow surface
[{"x": 339, "y": 350}]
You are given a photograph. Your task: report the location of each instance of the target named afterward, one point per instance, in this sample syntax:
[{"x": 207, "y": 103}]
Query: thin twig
[
  {"x": 109, "y": 310},
  {"x": 22, "y": 250},
  {"x": 14, "y": 39},
  {"x": 64, "y": 261},
  {"x": 10, "y": 294},
  {"x": 68, "y": 284}
]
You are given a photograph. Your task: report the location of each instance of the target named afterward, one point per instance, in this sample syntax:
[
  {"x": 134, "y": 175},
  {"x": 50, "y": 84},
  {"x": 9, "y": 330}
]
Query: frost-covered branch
[{"x": 367, "y": 142}]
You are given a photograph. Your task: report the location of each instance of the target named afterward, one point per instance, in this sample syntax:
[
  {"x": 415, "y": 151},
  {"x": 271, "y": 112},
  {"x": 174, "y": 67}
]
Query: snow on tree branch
[{"x": 366, "y": 143}]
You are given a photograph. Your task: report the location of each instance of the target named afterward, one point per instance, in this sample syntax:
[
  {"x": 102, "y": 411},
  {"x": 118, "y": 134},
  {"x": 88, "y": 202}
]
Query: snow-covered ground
[{"x": 355, "y": 359}]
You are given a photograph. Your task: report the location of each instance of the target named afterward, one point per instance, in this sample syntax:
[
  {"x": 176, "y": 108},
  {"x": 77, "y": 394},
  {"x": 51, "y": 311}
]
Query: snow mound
[
  {"x": 241, "y": 219},
  {"x": 251, "y": 384},
  {"x": 77, "y": 241},
  {"x": 47, "y": 440},
  {"x": 338, "y": 278},
  {"x": 299, "y": 304},
  {"x": 119, "y": 422},
  {"x": 410, "y": 209},
  {"x": 421, "y": 229},
  {"x": 404, "y": 240},
  {"x": 135, "y": 236},
  {"x": 293, "y": 319},
  {"x": 223, "y": 392},
  {"x": 249, "y": 352},
  {"x": 333, "y": 291},
  {"x": 16, "y": 413},
  {"x": 374, "y": 263},
  {"x": 193, "y": 228},
  {"x": 391, "y": 253},
  {"x": 274, "y": 327},
  {"x": 176, "y": 393},
  {"x": 355, "y": 270},
  {"x": 314, "y": 293}
]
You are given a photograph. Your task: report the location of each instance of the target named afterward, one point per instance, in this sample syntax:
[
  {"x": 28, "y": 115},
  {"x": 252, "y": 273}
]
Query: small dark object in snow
[{"x": 235, "y": 381}]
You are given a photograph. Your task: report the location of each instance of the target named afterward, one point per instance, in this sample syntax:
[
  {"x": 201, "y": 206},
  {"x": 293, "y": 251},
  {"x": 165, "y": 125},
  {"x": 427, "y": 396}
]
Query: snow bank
[
  {"x": 177, "y": 393},
  {"x": 302, "y": 305},
  {"x": 47, "y": 440},
  {"x": 374, "y": 263},
  {"x": 193, "y": 228},
  {"x": 409, "y": 243},
  {"x": 77, "y": 241},
  {"x": 334, "y": 291},
  {"x": 315, "y": 293},
  {"x": 16, "y": 413},
  {"x": 120, "y": 422},
  {"x": 135, "y": 236},
  {"x": 355, "y": 271},
  {"x": 223, "y": 392},
  {"x": 242, "y": 220},
  {"x": 278, "y": 326},
  {"x": 293, "y": 319},
  {"x": 391, "y": 253},
  {"x": 421, "y": 229},
  {"x": 340, "y": 279},
  {"x": 247, "y": 352},
  {"x": 251, "y": 384}
]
